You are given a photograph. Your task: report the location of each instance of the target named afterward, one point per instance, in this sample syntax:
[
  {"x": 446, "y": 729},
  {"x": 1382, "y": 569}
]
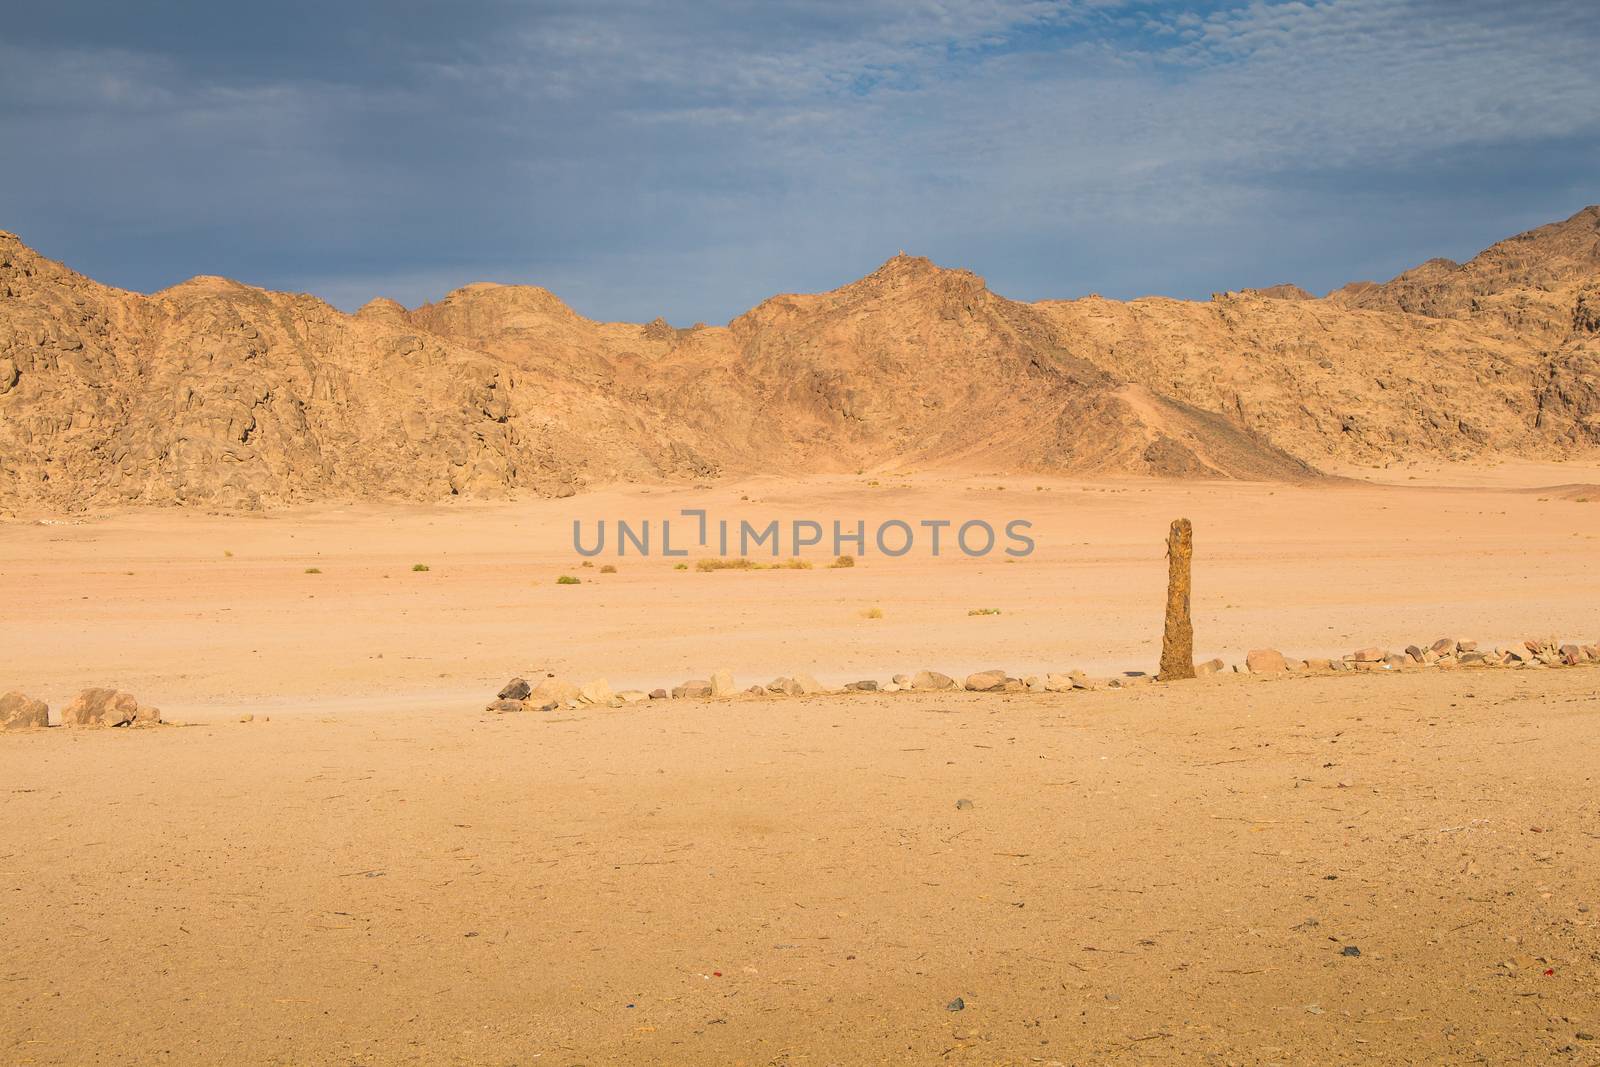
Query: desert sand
[{"x": 373, "y": 869}]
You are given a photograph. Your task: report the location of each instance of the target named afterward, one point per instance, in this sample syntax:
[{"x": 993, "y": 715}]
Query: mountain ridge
[{"x": 218, "y": 393}]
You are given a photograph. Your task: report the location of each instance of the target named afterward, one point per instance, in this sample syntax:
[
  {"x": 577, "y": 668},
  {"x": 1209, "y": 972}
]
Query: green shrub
[
  {"x": 567, "y": 579},
  {"x": 419, "y": 568},
  {"x": 843, "y": 561},
  {"x": 984, "y": 611}
]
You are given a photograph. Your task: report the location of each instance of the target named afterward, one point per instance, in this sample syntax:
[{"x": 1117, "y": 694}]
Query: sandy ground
[
  {"x": 1168, "y": 874},
  {"x": 153, "y": 602},
  {"x": 375, "y": 871}
]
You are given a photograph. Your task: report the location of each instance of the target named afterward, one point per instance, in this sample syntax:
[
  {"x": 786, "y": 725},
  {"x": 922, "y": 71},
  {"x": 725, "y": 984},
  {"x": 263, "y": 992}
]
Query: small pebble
[
  {"x": 963, "y": 805},
  {"x": 956, "y": 1005},
  {"x": 1349, "y": 950}
]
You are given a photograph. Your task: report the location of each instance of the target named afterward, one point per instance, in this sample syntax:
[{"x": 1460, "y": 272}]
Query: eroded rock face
[
  {"x": 108, "y": 707},
  {"x": 20, "y": 712}
]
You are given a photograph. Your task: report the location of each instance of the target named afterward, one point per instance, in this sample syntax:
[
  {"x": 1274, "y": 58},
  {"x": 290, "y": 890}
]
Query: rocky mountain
[{"x": 216, "y": 393}]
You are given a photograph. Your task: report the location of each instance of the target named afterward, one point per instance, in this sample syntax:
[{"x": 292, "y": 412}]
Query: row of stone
[
  {"x": 552, "y": 692},
  {"x": 93, "y": 707},
  {"x": 1447, "y": 652}
]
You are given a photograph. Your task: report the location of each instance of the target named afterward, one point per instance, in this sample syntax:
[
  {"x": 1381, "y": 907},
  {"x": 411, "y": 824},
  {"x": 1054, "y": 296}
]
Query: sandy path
[
  {"x": 152, "y": 602},
  {"x": 1145, "y": 876}
]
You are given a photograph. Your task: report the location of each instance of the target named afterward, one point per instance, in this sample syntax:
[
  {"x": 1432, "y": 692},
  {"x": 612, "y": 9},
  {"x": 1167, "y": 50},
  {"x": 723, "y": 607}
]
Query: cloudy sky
[{"x": 689, "y": 159}]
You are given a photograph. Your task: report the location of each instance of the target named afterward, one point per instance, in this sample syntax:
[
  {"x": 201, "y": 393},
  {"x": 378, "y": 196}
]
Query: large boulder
[
  {"x": 722, "y": 683},
  {"x": 694, "y": 688},
  {"x": 596, "y": 692},
  {"x": 1265, "y": 661},
  {"x": 18, "y": 712},
  {"x": 108, "y": 707}
]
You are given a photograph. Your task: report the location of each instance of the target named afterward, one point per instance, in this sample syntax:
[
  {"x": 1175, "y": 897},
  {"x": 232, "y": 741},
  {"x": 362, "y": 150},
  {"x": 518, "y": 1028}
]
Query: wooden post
[{"x": 1177, "y": 640}]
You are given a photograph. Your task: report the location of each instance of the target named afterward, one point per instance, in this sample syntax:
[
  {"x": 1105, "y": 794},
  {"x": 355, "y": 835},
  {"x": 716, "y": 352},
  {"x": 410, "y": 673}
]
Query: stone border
[{"x": 1447, "y": 653}]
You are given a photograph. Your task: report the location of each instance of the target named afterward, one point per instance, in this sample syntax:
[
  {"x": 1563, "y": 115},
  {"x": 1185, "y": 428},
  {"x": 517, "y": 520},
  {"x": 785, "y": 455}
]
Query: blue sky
[{"x": 688, "y": 160}]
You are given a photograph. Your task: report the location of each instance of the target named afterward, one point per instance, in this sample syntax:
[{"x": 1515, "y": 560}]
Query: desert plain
[{"x": 330, "y": 851}]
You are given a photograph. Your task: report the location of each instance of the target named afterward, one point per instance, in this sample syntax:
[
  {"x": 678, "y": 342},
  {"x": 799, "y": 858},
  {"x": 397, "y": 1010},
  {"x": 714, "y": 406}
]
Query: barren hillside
[{"x": 213, "y": 392}]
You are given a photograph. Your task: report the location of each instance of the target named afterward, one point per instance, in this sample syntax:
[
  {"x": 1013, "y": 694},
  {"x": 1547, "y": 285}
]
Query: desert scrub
[
  {"x": 586, "y": 563},
  {"x": 872, "y": 613},
  {"x": 567, "y": 579},
  {"x": 313, "y": 570},
  {"x": 984, "y": 611},
  {"x": 608, "y": 569},
  {"x": 706, "y": 566},
  {"x": 680, "y": 566},
  {"x": 419, "y": 568},
  {"x": 842, "y": 561}
]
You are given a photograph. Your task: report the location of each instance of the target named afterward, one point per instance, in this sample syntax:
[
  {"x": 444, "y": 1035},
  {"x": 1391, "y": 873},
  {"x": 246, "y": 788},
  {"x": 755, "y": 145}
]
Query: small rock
[
  {"x": 864, "y": 686},
  {"x": 963, "y": 805},
  {"x": 956, "y": 1005},
  {"x": 693, "y": 689},
  {"x": 596, "y": 692},
  {"x": 633, "y": 696},
  {"x": 19, "y": 712},
  {"x": 1369, "y": 655},
  {"x": 808, "y": 685},
  {"x": 507, "y": 705},
  {"x": 902, "y": 680},
  {"x": 1209, "y": 667},
  {"x": 516, "y": 689},
  {"x": 1265, "y": 661},
  {"x": 107, "y": 707},
  {"x": 985, "y": 681},
  {"x": 552, "y": 693},
  {"x": 933, "y": 680},
  {"x": 658, "y": 694},
  {"x": 1350, "y": 950},
  {"x": 755, "y": 691}
]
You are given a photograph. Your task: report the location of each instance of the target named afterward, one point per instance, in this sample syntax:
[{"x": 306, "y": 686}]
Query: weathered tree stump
[{"x": 1177, "y": 640}]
